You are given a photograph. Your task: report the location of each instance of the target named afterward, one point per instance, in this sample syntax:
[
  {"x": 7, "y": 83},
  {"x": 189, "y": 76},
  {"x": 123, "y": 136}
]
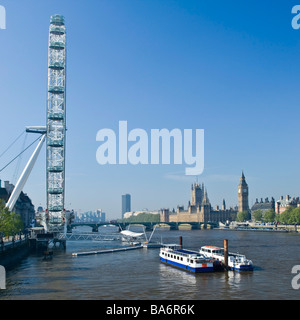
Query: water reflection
[
  {"x": 169, "y": 273},
  {"x": 139, "y": 274}
]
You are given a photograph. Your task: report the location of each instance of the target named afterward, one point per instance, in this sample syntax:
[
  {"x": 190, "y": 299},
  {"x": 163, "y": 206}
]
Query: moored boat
[
  {"x": 236, "y": 261},
  {"x": 185, "y": 259}
]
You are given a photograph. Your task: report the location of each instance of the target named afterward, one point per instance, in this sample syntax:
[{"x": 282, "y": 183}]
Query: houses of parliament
[{"x": 200, "y": 210}]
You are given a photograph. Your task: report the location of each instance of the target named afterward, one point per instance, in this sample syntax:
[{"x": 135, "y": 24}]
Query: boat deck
[{"x": 187, "y": 251}]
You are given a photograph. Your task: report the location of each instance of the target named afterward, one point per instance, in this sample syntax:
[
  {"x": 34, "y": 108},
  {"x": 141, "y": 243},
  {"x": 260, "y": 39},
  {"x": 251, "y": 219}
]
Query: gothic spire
[
  {"x": 242, "y": 177},
  {"x": 205, "y": 198}
]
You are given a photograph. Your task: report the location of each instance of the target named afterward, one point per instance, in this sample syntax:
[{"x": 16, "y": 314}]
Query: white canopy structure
[{"x": 131, "y": 234}]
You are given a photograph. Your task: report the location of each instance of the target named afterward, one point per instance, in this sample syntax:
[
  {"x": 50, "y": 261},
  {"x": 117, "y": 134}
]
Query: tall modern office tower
[{"x": 126, "y": 204}]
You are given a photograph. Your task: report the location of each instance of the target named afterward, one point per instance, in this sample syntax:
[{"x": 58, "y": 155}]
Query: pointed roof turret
[
  {"x": 205, "y": 198},
  {"x": 242, "y": 177},
  {"x": 243, "y": 180}
]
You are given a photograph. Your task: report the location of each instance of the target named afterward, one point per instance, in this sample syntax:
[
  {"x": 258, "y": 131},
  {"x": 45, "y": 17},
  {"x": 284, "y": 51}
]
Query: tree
[
  {"x": 290, "y": 215},
  {"x": 269, "y": 216},
  {"x": 257, "y": 214},
  {"x": 294, "y": 216},
  {"x": 242, "y": 216},
  {"x": 10, "y": 222},
  {"x": 297, "y": 214}
]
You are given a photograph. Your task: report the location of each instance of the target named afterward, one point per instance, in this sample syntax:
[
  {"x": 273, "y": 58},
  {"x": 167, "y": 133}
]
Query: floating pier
[{"x": 87, "y": 253}]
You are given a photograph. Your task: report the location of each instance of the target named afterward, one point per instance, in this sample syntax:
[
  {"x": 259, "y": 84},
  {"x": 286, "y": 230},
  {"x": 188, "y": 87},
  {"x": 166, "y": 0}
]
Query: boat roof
[
  {"x": 187, "y": 251},
  {"x": 171, "y": 245},
  {"x": 177, "y": 250},
  {"x": 212, "y": 247}
]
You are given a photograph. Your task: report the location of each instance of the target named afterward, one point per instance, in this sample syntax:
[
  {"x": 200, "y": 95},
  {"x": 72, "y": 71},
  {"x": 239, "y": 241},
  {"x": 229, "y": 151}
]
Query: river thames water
[{"x": 139, "y": 274}]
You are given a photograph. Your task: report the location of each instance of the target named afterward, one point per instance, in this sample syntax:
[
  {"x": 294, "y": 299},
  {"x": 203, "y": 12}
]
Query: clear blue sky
[{"x": 228, "y": 67}]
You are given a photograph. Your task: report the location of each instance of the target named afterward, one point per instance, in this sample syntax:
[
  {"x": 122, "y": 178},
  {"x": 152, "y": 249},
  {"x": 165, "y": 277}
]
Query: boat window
[
  {"x": 188, "y": 260},
  {"x": 181, "y": 259}
]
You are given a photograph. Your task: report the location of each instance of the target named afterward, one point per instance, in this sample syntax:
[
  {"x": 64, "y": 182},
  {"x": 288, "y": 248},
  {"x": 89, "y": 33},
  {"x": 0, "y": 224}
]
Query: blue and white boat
[
  {"x": 188, "y": 260},
  {"x": 236, "y": 261}
]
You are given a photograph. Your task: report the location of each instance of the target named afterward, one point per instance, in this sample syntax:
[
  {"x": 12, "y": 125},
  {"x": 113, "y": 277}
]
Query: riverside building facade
[
  {"x": 23, "y": 206},
  {"x": 199, "y": 209}
]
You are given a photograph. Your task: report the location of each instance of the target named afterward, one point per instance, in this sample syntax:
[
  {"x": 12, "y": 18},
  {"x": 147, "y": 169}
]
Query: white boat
[
  {"x": 236, "y": 261},
  {"x": 148, "y": 245},
  {"x": 185, "y": 259}
]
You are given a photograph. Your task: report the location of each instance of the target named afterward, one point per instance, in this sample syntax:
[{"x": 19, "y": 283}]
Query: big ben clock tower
[{"x": 243, "y": 192}]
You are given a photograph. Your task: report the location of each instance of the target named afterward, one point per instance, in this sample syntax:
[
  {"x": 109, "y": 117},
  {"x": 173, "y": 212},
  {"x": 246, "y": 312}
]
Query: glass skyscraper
[{"x": 126, "y": 204}]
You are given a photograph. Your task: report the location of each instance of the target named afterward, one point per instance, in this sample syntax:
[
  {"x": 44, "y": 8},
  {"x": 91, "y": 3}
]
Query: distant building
[
  {"x": 91, "y": 216},
  {"x": 199, "y": 209},
  {"x": 243, "y": 193},
  {"x": 23, "y": 206},
  {"x": 126, "y": 204},
  {"x": 282, "y": 204},
  {"x": 263, "y": 205},
  {"x": 101, "y": 215},
  {"x": 136, "y": 213},
  {"x": 197, "y": 194}
]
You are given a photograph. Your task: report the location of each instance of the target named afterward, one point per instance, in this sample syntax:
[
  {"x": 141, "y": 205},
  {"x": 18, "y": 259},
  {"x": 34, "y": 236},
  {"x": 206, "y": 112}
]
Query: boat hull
[
  {"x": 207, "y": 267},
  {"x": 242, "y": 268}
]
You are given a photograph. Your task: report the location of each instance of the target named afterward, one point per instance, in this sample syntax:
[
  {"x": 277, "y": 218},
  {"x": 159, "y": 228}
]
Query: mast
[{"x": 24, "y": 176}]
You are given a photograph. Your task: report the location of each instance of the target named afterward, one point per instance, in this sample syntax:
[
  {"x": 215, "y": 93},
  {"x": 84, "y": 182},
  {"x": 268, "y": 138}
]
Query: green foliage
[
  {"x": 257, "y": 215},
  {"x": 290, "y": 216},
  {"x": 143, "y": 217},
  {"x": 242, "y": 216},
  {"x": 10, "y": 222},
  {"x": 269, "y": 216}
]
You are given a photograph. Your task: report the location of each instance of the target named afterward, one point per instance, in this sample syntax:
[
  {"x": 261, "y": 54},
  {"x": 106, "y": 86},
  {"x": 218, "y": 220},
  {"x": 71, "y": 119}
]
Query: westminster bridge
[{"x": 148, "y": 225}]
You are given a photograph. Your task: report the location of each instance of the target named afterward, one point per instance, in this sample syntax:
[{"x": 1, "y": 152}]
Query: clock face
[
  {"x": 239, "y": 190},
  {"x": 245, "y": 190}
]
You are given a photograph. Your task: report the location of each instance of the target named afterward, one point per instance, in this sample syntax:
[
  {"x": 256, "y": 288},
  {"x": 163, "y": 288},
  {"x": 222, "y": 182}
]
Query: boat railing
[
  {"x": 170, "y": 246},
  {"x": 180, "y": 253},
  {"x": 195, "y": 255}
]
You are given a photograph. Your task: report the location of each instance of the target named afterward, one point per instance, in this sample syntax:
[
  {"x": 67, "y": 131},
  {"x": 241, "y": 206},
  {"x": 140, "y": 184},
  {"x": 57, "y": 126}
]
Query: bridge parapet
[{"x": 148, "y": 225}]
